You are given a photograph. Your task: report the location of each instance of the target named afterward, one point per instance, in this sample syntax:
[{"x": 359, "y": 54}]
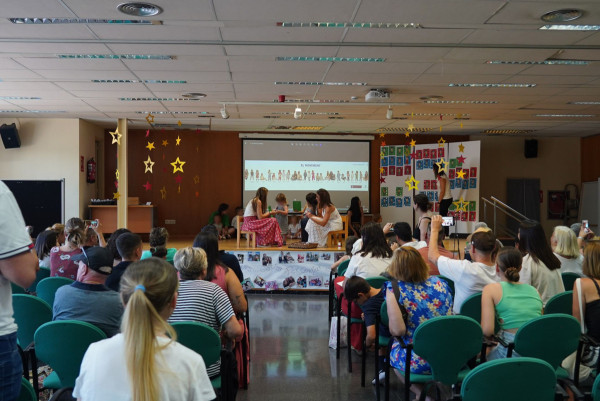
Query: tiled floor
[{"x": 291, "y": 359}]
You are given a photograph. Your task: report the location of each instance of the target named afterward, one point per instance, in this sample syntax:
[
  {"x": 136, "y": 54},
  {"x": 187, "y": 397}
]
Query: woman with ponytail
[
  {"x": 511, "y": 302},
  {"x": 144, "y": 362},
  {"x": 61, "y": 264}
]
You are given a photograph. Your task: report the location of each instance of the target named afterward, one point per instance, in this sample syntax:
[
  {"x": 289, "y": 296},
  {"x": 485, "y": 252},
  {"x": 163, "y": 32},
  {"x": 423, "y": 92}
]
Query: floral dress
[{"x": 423, "y": 301}]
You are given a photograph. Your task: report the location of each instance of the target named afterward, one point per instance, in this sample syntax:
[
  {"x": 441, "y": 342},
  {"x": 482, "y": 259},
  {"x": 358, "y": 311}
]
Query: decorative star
[
  {"x": 179, "y": 123},
  {"x": 380, "y": 170},
  {"x": 382, "y": 180},
  {"x": 461, "y": 148},
  {"x": 177, "y": 165},
  {"x": 461, "y": 124},
  {"x": 177, "y": 141},
  {"x": 116, "y": 184},
  {"x": 117, "y": 174},
  {"x": 150, "y": 119},
  {"x": 116, "y": 136},
  {"x": 150, "y": 146},
  {"x": 411, "y": 183},
  {"x": 441, "y": 141},
  {"x": 381, "y": 155},
  {"x": 197, "y": 179},
  {"x": 383, "y": 143},
  {"x": 197, "y": 194},
  {"x": 413, "y": 155},
  {"x": 407, "y": 134},
  {"x": 413, "y": 142},
  {"x": 411, "y": 127},
  {"x": 163, "y": 192},
  {"x": 382, "y": 135},
  {"x": 440, "y": 128},
  {"x": 179, "y": 189},
  {"x": 147, "y": 133},
  {"x": 460, "y": 174},
  {"x": 461, "y": 159},
  {"x": 442, "y": 165},
  {"x": 165, "y": 142},
  {"x": 116, "y": 195},
  {"x": 178, "y": 179},
  {"x": 461, "y": 204},
  {"x": 149, "y": 164},
  {"x": 147, "y": 185}
]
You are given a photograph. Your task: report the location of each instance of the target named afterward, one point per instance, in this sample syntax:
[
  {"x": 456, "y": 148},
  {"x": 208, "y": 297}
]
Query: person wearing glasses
[{"x": 88, "y": 299}]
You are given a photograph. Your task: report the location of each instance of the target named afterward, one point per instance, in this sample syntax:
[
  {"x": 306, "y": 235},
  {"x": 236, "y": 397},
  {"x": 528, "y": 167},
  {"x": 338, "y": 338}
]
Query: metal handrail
[
  {"x": 504, "y": 208},
  {"x": 510, "y": 208}
]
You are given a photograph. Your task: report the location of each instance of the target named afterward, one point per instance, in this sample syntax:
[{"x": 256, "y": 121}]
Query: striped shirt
[{"x": 204, "y": 302}]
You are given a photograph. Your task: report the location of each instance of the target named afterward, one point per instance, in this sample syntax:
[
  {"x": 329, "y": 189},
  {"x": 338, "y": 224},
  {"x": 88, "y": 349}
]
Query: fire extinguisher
[{"x": 91, "y": 171}]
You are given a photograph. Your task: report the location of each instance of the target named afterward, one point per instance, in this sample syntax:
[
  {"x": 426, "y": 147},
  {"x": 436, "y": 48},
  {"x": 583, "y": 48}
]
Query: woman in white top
[
  {"x": 375, "y": 255},
  {"x": 144, "y": 363},
  {"x": 330, "y": 220},
  {"x": 565, "y": 247},
  {"x": 260, "y": 220},
  {"x": 444, "y": 194},
  {"x": 541, "y": 268}
]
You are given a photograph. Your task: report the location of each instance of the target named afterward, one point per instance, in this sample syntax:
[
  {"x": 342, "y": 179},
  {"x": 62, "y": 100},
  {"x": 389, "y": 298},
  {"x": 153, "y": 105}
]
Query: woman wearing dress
[
  {"x": 261, "y": 221},
  {"x": 330, "y": 220},
  {"x": 444, "y": 194}
]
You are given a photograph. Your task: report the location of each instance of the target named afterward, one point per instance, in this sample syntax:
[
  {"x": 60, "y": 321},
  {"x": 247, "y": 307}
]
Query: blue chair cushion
[{"x": 52, "y": 381}]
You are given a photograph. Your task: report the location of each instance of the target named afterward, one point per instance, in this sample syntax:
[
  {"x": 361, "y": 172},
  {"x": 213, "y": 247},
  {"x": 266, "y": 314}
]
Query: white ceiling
[{"x": 227, "y": 49}]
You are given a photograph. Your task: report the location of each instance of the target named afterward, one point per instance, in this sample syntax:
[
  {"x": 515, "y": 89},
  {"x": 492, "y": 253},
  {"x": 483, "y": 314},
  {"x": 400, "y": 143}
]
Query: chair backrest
[
  {"x": 447, "y": 343},
  {"x": 449, "y": 282},
  {"x": 17, "y": 289},
  {"x": 550, "y": 338},
  {"x": 46, "y": 289},
  {"x": 515, "y": 379},
  {"x": 29, "y": 313},
  {"x": 560, "y": 303},
  {"x": 62, "y": 345},
  {"x": 568, "y": 279},
  {"x": 596, "y": 389},
  {"x": 343, "y": 267},
  {"x": 27, "y": 392},
  {"x": 472, "y": 307},
  {"x": 200, "y": 338},
  {"x": 41, "y": 274},
  {"x": 377, "y": 282}
]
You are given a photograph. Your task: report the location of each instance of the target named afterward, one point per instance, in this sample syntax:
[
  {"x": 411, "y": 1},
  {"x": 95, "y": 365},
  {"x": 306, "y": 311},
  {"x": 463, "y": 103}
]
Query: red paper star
[
  {"x": 382, "y": 180},
  {"x": 116, "y": 184},
  {"x": 147, "y": 133},
  {"x": 147, "y": 185},
  {"x": 383, "y": 143},
  {"x": 461, "y": 159},
  {"x": 197, "y": 194},
  {"x": 178, "y": 179}
]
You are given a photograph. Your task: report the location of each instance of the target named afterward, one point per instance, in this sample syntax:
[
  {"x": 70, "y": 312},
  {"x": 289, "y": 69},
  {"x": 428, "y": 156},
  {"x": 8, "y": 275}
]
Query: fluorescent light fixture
[
  {"x": 389, "y": 113},
  {"x": 384, "y": 25},
  {"x": 571, "y": 27},
  {"x": 171, "y": 112},
  {"x": 544, "y": 62},
  {"x": 493, "y": 85},
  {"x": 48, "y": 21},
  {"x": 333, "y": 59},
  {"x": 566, "y": 115},
  {"x": 585, "y": 103},
  {"x": 19, "y": 98},
  {"x": 136, "y": 81},
  {"x": 224, "y": 113},
  {"x": 461, "y": 101},
  {"x": 313, "y": 101},
  {"x": 403, "y": 130},
  {"x": 119, "y": 56},
  {"x": 32, "y": 111},
  {"x": 297, "y": 113},
  {"x": 507, "y": 131},
  {"x": 461, "y": 115},
  {"x": 156, "y": 99},
  {"x": 310, "y": 113},
  {"x": 307, "y": 128},
  {"x": 321, "y": 83}
]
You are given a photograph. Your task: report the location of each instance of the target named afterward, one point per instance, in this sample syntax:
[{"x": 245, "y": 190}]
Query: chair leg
[
  {"x": 34, "y": 372},
  {"x": 339, "y": 329},
  {"x": 349, "y": 337},
  {"x": 363, "y": 366},
  {"x": 386, "y": 367}
]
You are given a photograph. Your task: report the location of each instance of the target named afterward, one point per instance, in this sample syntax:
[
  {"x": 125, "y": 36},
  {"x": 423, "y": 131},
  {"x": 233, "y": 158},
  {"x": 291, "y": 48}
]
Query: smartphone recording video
[{"x": 447, "y": 221}]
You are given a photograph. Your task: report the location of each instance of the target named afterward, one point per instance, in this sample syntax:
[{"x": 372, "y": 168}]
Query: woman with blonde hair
[
  {"x": 144, "y": 362},
  {"x": 565, "y": 247},
  {"x": 61, "y": 264},
  {"x": 261, "y": 221}
]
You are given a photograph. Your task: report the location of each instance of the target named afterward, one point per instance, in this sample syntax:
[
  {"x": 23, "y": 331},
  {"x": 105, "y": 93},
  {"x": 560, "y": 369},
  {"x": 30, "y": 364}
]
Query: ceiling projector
[{"x": 377, "y": 95}]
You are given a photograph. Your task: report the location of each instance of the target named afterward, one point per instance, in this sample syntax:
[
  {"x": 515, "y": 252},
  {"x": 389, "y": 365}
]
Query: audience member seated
[
  {"x": 374, "y": 256},
  {"x": 230, "y": 260},
  {"x": 404, "y": 235},
  {"x": 423, "y": 213},
  {"x": 565, "y": 248},
  {"x": 226, "y": 229},
  {"x": 424, "y": 297},
  {"x": 318, "y": 227},
  {"x": 355, "y": 216},
  {"x": 433, "y": 270},
  {"x": 145, "y": 362},
  {"x": 469, "y": 276},
  {"x": 511, "y": 302},
  {"x": 94, "y": 235},
  {"x": 261, "y": 221},
  {"x": 541, "y": 268},
  {"x": 88, "y": 299},
  {"x": 310, "y": 207},
  {"x": 111, "y": 244},
  {"x": 202, "y": 301},
  {"x": 45, "y": 241},
  {"x": 59, "y": 229},
  {"x": 61, "y": 263},
  {"x": 130, "y": 249},
  {"x": 158, "y": 239},
  {"x": 239, "y": 212},
  {"x": 584, "y": 234},
  {"x": 218, "y": 273},
  {"x": 350, "y": 241}
]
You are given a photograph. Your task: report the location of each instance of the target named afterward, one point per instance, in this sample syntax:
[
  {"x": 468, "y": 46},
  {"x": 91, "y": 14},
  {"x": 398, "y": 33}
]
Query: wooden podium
[{"x": 140, "y": 218}]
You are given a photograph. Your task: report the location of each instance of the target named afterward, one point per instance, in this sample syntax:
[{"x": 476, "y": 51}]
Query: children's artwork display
[{"x": 395, "y": 198}]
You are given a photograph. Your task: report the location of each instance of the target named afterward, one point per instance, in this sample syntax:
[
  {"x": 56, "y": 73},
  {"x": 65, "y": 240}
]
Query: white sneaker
[{"x": 381, "y": 378}]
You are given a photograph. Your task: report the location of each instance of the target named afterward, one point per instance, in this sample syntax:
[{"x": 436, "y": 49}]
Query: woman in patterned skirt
[{"x": 258, "y": 219}]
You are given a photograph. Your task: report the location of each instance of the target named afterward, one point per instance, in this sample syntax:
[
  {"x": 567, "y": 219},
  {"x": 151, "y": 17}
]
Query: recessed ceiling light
[
  {"x": 571, "y": 27},
  {"x": 47, "y": 21},
  {"x": 584, "y": 103},
  {"x": 194, "y": 95},
  {"x": 333, "y": 59},
  {"x": 507, "y": 131},
  {"x": 461, "y": 101},
  {"x": 155, "y": 99},
  {"x": 494, "y": 85},
  {"x": 566, "y": 115},
  {"x": 564, "y": 15},
  {"x": 544, "y": 62},
  {"x": 119, "y": 56},
  {"x": 139, "y": 9},
  {"x": 385, "y": 25},
  {"x": 321, "y": 83},
  {"x": 32, "y": 111}
]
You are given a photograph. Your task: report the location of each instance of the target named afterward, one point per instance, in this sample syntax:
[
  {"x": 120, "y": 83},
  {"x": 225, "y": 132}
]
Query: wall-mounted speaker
[
  {"x": 531, "y": 148},
  {"x": 10, "y": 136}
]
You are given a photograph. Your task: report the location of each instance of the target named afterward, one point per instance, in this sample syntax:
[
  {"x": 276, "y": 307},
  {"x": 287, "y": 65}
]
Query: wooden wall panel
[{"x": 590, "y": 162}]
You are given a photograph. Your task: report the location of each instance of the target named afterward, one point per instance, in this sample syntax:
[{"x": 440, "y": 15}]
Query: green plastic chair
[
  {"x": 203, "y": 340},
  {"x": 596, "y": 389},
  {"x": 560, "y": 303},
  {"x": 449, "y": 282},
  {"x": 332, "y": 295},
  {"x": 447, "y": 343},
  {"x": 472, "y": 307},
  {"x": 17, "y": 289},
  {"x": 41, "y": 274},
  {"x": 519, "y": 379},
  {"x": 62, "y": 345},
  {"x": 27, "y": 392},
  {"x": 46, "y": 289},
  {"x": 568, "y": 279},
  {"x": 343, "y": 267}
]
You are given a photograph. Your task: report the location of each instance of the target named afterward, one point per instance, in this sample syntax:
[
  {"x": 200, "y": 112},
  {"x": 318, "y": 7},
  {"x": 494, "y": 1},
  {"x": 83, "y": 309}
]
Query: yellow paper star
[
  {"x": 177, "y": 165},
  {"x": 163, "y": 192},
  {"x": 407, "y": 134},
  {"x": 442, "y": 165},
  {"x": 441, "y": 141},
  {"x": 461, "y": 148},
  {"x": 381, "y": 155},
  {"x": 381, "y": 135},
  {"x": 460, "y": 174},
  {"x": 413, "y": 142},
  {"x": 117, "y": 174},
  {"x": 461, "y": 204},
  {"x": 150, "y": 118},
  {"x": 116, "y": 136},
  {"x": 150, "y": 146},
  {"x": 165, "y": 142},
  {"x": 197, "y": 179},
  {"x": 411, "y": 183},
  {"x": 177, "y": 141},
  {"x": 461, "y": 124},
  {"x": 149, "y": 164},
  {"x": 116, "y": 195},
  {"x": 179, "y": 123},
  {"x": 411, "y": 127},
  {"x": 380, "y": 170}
]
